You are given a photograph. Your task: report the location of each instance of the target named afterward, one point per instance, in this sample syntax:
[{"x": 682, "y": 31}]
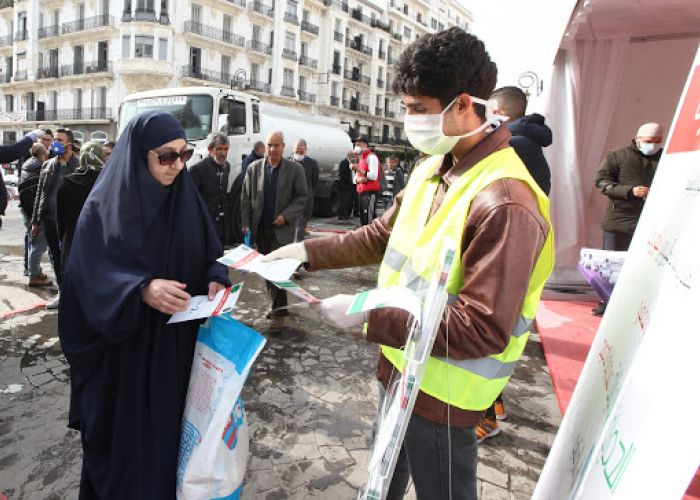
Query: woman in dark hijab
[{"x": 143, "y": 245}]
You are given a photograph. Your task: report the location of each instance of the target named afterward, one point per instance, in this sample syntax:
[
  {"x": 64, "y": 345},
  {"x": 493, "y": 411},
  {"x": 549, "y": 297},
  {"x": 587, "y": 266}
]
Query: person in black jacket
[
  {"x": 257, "y": 153},
  {"x": 71, "y": 195},
  {"x": 311, "y": 172},
  {"x": 346, "y": 187},
  {"x": 34, "y": 247},
  {"x": 530, "y": 134},
  {"x": 211, "y": 176}
]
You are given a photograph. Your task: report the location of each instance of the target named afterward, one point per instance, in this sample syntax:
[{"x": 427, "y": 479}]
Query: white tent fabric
[
  {"x": 583, "y": 97},
  {"x": 582, "y": 103}
]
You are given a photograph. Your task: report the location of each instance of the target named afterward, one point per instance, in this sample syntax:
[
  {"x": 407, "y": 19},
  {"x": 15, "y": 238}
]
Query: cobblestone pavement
[{"x": 311, "y": 400}]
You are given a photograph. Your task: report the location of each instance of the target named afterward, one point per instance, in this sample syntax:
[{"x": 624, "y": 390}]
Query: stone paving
[{"x": 311, "y": 400}]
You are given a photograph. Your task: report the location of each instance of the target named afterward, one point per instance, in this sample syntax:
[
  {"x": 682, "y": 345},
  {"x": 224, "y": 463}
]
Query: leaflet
[
  {"x": 297, "y": 291},
  {"x": 400, "y": 297},
  {"x": 201, "y": 307},
  {"x": 244, "y": 258}
]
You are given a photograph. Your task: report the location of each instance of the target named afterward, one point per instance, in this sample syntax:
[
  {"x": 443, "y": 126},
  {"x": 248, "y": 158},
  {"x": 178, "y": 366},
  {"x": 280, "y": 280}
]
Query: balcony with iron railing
[
  {"x": 379, "y": 111},
  {"x": 239, "y": 3},
  {"x": 258, "y": 86},
  {"x": 144, "y": 15},
  {"x": 397, "y": 36},
  {"x": 360, "y": 47},
  {"x": 308, "y": 62},
  {"x": 307, "y": 96},
  {"x": 6, "y": 77},
  {"x": 310, "y": 28},
  {"x": 357, "y": 15},
  {"x": 382, "y": 54},
  {"x": 380, "y": 83},
  {"x": 290, "y": 54},
  {"x": 200, "y": 29},
  {"x": 85, "y": 68},
  {"x": 50, "y": 72},
  {"x": 64, "y": 115},
  {"x": 337, "y": 70},
  {"x": 21, "y": 35},
  {"x": 21, "y": 75},
  {"x": 364, "y": 108},
  {"x": 291, "y": 18},
  {"x": 48, "y": 31},
  {"x": 338, "y": 36},
  {"x": 258, "y": 7},
  {"x": 335, "y": 101},
  {"x": 87, "y": 24},
  {"x": 260, "y": 47},
  {"x": 355, "y": 76},
  {"x": 288, "y": 91},
  {"x": 5, "y": 41},
  {"x": 377, "y": 23},
  {"x": 390, "y": 114},
  {"x": 206, "y": 75}
]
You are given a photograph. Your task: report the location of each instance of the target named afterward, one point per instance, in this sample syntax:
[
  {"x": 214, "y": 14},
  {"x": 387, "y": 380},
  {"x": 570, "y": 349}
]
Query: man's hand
[
  {"x": 334, "y": 309},
  {"x": 640, "y": 191},
  {"x": 166, "y": 296},
  {"x": 214, "y": 288},
  {"x": 36, "y": 229},
  {"x": 295, "y": 251},
  {"x": 279, "y": 221}
]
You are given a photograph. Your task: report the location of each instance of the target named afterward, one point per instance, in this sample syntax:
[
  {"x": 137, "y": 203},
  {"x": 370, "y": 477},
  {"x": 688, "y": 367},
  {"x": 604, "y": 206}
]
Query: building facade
[{"x": 70, "y": 63}]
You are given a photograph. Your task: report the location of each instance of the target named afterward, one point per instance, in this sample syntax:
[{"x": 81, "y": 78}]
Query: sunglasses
[{"x": 171, "y": 156}]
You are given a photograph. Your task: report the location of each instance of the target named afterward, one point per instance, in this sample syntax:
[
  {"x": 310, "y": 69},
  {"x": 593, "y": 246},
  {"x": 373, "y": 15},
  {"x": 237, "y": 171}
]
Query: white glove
[
  {"x": 334, "y": 309},
  {"x": 292, "y": 251}
]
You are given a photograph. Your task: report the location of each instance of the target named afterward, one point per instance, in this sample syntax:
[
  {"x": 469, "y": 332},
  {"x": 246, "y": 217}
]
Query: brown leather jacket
[{"x": 503, "y": 236}]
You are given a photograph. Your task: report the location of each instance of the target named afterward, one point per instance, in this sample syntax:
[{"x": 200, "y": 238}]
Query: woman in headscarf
[
  {"x": 143, "y": 245},
  {"x": 73, "y": 192}
]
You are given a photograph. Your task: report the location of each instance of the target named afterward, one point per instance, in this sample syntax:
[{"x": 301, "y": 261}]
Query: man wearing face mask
[
  {"x": 367, "y": 179},
  {"x": 211, "y": 178},
  {"x": 311, "y": 172},
  {"x": 473, "y": 190},
  {"x": 624, "y": 177}
]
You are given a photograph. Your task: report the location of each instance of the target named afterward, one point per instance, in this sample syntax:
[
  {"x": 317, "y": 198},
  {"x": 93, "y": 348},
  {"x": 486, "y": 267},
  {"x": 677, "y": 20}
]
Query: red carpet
[{"x": 567, "y": 329}]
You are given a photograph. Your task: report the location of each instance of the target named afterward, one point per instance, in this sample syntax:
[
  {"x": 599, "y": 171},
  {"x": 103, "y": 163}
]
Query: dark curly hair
[{"x": 444, "y": 65}]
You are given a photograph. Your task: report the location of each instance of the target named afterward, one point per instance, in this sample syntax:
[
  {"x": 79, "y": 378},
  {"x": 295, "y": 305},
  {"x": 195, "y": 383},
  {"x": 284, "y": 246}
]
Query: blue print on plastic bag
[{"x": 235, "y": 420}]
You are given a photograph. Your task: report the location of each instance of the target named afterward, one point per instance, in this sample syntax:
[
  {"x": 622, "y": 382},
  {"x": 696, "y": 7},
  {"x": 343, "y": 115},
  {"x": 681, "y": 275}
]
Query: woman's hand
[
  {"x": 166, "y": 296},
  {"x": 214, "y": 288}
]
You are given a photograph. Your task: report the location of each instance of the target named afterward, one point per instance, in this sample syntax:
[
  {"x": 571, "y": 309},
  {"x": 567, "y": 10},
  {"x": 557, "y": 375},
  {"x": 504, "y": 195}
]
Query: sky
[{"x": 520, "y": 35}]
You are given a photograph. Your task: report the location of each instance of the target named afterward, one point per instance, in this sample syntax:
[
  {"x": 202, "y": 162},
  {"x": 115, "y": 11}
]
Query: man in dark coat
[
  {"x": 256, "y": 154},
  {"x": 211, "y": 177},
  {"x": 346, "y": 188},
  {"x": 273, "y": 198},
  {"x": 311, "y": 172},
  {"x": 529, "y": 132},
  {"x": 143, "y": 246},
  {"x": 624, "y": 177}
]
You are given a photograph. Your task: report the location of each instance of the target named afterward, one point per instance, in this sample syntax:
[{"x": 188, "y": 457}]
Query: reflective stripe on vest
[{"x": 409, "y": 261}]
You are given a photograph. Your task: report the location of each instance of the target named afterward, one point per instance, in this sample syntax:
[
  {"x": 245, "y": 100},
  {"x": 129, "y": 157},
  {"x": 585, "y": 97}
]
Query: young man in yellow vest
[{"x": 474, "y": 190}]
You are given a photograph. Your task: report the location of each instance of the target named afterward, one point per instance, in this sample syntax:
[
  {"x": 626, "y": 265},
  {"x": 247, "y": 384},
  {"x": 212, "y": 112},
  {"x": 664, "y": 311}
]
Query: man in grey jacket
[{"x": 273, "y": 197}]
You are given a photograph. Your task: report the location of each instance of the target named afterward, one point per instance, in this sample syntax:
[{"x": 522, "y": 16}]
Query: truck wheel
[{"x": 327, "y": 207}]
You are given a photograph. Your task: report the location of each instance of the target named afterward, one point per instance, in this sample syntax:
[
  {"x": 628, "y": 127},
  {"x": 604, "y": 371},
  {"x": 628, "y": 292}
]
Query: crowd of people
[{"x": 143, "y": 234}]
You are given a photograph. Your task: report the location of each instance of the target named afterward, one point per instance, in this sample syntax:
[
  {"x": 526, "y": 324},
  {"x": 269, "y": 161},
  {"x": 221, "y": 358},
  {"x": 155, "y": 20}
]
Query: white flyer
[
  {"x": 403, "y": 298},
  {"x": 244, "y": 258},
  {"x": 201, "y": 307}
]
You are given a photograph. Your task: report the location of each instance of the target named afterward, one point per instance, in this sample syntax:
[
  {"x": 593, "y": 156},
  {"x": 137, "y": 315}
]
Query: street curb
[{"x": 21, "y": 310}]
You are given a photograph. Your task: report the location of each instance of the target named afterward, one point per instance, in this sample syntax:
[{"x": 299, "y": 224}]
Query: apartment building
[{"x": 72, "y": 62}]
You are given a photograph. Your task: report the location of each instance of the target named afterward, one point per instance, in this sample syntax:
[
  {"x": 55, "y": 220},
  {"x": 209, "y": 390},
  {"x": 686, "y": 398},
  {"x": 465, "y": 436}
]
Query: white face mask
[
  {"x": 426, "y": 134},
  {"x": 298, "y": 157},
  {"x": 358, "y": 150},
  {"x": 649, "y": 148}
]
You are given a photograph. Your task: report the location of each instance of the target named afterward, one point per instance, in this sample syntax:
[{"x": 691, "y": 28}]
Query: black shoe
[{"x": 599, "y": 310}]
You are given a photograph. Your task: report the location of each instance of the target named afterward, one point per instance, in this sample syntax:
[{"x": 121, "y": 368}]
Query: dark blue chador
[{"x": 129, "y": 369}]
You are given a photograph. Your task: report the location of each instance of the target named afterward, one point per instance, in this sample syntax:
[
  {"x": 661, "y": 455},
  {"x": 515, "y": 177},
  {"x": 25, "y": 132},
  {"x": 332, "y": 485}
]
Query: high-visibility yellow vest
[{"x": 411, "y": 261}]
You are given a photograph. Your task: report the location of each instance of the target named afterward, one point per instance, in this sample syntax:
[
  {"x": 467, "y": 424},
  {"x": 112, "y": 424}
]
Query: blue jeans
[
  {"x": 36, "y": 248},
  {"x": 427, "y": 454},
  {"x": 48, "y": 227}
]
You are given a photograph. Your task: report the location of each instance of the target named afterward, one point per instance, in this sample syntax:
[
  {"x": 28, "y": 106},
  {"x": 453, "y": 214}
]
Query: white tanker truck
[{"x": 245, "y": 119}]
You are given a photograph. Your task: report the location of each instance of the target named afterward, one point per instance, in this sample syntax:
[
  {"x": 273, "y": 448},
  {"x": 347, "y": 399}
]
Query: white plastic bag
[{"x": 214, "y": 440}]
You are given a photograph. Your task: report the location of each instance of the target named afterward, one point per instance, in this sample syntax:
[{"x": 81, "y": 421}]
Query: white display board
[{"x": 631, "y": 429}]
